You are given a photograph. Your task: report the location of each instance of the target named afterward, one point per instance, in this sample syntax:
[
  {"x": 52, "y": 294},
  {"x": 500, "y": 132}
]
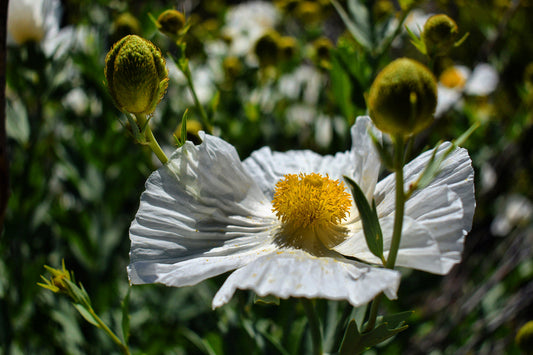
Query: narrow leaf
[
  {"x": 371, "y": 227},
  {"x": 359, "y": 35},
  {"x": 125, "y": 305},
  {"x": 86, "y": 314}
]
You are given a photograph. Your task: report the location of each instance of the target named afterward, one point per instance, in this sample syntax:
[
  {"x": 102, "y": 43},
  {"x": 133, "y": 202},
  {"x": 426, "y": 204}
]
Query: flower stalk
[{"x": 150, "y": 139}]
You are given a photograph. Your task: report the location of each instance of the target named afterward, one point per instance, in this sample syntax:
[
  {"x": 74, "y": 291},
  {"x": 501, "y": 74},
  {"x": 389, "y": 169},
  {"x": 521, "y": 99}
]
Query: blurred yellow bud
[
  {"x": 125, "y": 24},
  {"x": 266, "y": 49},
  {"x": 171, "y": 22},
  {"x": 288, "y": 47},
  {"x": 232, "y": 67},
  {"x": 440, "y": 34},
  {"x": 524, "y": 338},
  {"x": 403, "y": 98},
  {"x": 136, "y": 75}
]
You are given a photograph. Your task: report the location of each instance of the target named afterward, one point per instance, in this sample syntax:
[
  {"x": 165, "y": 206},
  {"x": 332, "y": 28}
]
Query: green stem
[
  {"x": 203, "y": 114},
  {"x": 400, "y": 202},
  {"x": 123, "y": 347},
  {"x": 373, "y": 313},
  {"x": 314, "y": 324},
  {"x": 399, "y": 151},
  {"x": 152, "y": 142}
]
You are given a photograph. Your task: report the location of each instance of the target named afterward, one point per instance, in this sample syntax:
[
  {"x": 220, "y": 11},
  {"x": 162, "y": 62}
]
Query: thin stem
[
  {"x": 314, "y": 324},
  {"x": 152, "y": 142},
  {"x": 373, "y": 313},
  {"x": 109, "y": 332},
  {"x": 400, "y": 202},
  {"x": 205, "y": 119},
  {"x": 399, "y": 150}
]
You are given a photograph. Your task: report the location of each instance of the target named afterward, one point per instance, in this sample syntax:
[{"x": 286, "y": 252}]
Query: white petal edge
[
  {"x": 202, "y": 206},
  {"x": 361, "y": 163},
  {"x": 295, "y": 273}
]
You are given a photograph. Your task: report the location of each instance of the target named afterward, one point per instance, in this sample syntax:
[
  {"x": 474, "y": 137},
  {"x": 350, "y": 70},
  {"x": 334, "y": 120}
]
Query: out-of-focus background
[{"x": 288, "y": 74}]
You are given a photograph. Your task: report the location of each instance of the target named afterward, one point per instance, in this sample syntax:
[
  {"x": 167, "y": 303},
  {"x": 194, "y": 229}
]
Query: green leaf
[
  {"x": 369, "y": 217},
  {"x": 359, "y": 33},
  {"x": 268, "y": 299},
  {"x": 86, "y": 314},
  {"x": 355, "y": 342},
  {"x": 342, "y": 88},
  {"x": 396, "y": 320},
  {"x": 125, "y": 305},
  {"x": 17, "y": 124}
]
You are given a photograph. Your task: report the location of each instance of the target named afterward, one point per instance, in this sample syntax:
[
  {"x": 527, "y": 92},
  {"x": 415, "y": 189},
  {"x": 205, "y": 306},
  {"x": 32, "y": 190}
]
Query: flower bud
[
  {"x": 171, "y": 22},
  {"x": 524, "y": 337},
  {"x": 403, "y": 98},
  {"x": 439, "y": 35},
  {"x": 136, "y": 75},
  {"x": 266, "y": 49},
  {"x": 125, "y": 24},
  {"x": 288, "y": 47}
]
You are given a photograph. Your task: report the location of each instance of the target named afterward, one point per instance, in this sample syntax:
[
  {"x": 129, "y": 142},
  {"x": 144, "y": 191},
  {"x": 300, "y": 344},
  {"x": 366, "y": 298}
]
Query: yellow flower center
[
  {"x": 452, "y": 78},
  {"x": 311, "y": 208}
]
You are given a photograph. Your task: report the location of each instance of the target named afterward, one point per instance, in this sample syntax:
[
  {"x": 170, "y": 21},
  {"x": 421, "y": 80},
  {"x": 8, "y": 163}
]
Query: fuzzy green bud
[
  {"x": 440, "y": 34},
  {"x": 136, "y": 75},
  {"x": 171, "y": 22},
  {"x": 524, "y": 338},
  {"x": 403, "y": 98}
]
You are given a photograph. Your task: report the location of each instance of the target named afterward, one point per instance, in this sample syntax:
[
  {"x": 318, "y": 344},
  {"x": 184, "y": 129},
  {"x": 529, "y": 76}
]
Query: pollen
[
  {"x": 452, "y": 78},
  {"x": 311, "y": 208}
]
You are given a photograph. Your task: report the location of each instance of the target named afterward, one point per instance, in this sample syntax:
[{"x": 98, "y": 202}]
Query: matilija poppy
[{"x": 287, "y": 224}]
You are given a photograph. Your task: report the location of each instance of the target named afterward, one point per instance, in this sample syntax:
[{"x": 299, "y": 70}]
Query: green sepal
[
  {"x": 461, "y": 40},
  {"x": 432, "y": 169},
  {"x": 183, "y": 132},
  {"x": 78, "y": 294},
  {"x": 268, "y": 299},
  {"x": 370, "y": 220},
  {"x": 138, "y": 134},
  {"x": 86, "y": 314},
  {"x": 384, "y": 150},
  {"x": 416, "y": 41},
  {"x": 125, "y": 305},
  {"x": 355, "y": 343}
]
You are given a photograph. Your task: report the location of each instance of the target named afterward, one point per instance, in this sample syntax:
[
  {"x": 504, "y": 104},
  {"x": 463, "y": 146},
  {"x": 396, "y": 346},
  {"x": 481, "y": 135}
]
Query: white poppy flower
[
  {"x": 206, "y": 213},
  {"x": 458, "y": 80}
]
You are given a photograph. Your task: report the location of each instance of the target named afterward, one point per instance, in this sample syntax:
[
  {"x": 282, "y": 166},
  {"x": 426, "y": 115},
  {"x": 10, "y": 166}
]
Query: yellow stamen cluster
[
  {"x": 311, "y": 207},
  {"x": 452, "y": 78}
]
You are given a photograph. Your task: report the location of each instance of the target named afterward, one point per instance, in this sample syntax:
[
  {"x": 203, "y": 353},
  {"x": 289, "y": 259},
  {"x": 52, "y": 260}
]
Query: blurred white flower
[
  {"x": 206, "y": 213},
  {"x": 514, "y": 210},
  {"x": 415, "y": 21},
  {"x": 246, "y": 23},
  {"x": 305, "y": 83},
  {"x": 32, "y": 20},
  {"x": 458, "y": 80}
]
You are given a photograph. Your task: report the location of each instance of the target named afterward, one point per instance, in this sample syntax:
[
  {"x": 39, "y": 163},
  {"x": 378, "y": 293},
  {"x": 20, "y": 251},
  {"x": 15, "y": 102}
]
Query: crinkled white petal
[
  {"x": 361, "y": 163},
  {"x": 295, "y": 273},
  {"x": 483, "y": 81},
  {"x": 436, "y": 218},
  {"x": 201, "y": 215}
]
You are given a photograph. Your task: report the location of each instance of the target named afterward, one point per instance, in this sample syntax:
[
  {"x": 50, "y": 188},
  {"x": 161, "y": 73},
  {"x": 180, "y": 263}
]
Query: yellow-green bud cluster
[
  {"x": 439, "y": 35},
  {"x": 136, "y": 75},
  {"x": 171, "y": 23},
  {"x": 403, "y": 98},
  {"x": 125, "y": 24}
]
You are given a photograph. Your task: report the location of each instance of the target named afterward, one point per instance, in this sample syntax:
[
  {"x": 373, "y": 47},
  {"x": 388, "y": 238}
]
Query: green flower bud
[
  {"x": 171, "y": 22},
  {"x": 524, "y": 338},
  {"x": 136, "y": 75},
  {"x": 309, "y": 12},
  {"x": 322, "y": 47},
  {"x": 403, "y": 98},
  {"x": 125, "y": 24},
  {"x": 266, "y": 49},
  {"x": 439, "y": 35}
]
